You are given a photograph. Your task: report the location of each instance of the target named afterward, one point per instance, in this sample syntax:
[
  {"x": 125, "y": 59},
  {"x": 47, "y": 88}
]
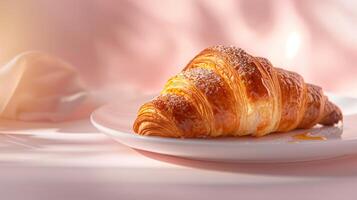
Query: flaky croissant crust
[{"x": 224, "y": 91}]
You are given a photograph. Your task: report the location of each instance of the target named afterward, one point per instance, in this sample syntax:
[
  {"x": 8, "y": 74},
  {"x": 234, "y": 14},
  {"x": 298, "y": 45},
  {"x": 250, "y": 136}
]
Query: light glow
[{"x": 293, "y": 44}]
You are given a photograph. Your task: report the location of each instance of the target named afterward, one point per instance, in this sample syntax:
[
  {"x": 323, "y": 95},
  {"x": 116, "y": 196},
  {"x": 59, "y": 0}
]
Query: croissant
[{"x": 224, "y": 91}]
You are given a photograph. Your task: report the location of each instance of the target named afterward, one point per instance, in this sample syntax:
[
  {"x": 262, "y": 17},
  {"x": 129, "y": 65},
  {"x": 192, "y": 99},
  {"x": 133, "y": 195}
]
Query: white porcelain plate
[{"x": 116, "y": 121}]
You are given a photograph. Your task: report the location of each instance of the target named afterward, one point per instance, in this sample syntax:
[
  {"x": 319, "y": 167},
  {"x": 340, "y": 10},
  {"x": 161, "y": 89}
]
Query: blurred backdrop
[{"x": 139, "y": 44}]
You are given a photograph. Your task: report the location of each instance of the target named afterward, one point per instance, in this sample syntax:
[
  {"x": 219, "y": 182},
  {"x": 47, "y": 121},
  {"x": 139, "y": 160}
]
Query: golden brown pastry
[{"x": 224, "y": 91}]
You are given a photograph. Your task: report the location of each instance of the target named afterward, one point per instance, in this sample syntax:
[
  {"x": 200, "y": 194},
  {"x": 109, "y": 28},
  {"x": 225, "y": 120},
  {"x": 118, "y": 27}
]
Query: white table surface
[{"x": 73, "y": 160}]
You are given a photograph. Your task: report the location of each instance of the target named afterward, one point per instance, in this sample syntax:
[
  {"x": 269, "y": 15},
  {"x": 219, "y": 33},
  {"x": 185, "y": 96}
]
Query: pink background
[{"x": 140, "y": 44}]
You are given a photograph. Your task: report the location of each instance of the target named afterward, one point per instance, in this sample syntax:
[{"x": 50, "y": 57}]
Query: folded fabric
[{"x": 38, "y": 87}]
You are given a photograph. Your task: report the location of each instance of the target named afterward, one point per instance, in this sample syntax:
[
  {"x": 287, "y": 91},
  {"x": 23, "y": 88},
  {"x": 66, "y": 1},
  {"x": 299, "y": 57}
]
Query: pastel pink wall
[{"x": 141, "y": 43}]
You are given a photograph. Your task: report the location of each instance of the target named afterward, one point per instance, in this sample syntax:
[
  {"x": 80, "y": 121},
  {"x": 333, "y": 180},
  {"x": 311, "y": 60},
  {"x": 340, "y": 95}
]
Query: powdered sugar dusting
[
  {"x": 205, "y": 79},
  {"x": 237, "y": 56},
  {"x": 247, "y": 67}
]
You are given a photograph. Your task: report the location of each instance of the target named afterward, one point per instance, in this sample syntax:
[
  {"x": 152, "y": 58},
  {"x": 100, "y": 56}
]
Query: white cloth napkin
[{"x": 38, "y": 87}]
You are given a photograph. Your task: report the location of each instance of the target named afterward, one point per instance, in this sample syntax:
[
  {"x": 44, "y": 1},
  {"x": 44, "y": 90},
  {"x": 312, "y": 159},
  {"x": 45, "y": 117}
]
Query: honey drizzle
[{"x": 308, "y": 136}]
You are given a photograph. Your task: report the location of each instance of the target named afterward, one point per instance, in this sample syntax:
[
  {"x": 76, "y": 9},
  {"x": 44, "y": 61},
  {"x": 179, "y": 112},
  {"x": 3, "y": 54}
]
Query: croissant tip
[{"x": 333, "y": 117}]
